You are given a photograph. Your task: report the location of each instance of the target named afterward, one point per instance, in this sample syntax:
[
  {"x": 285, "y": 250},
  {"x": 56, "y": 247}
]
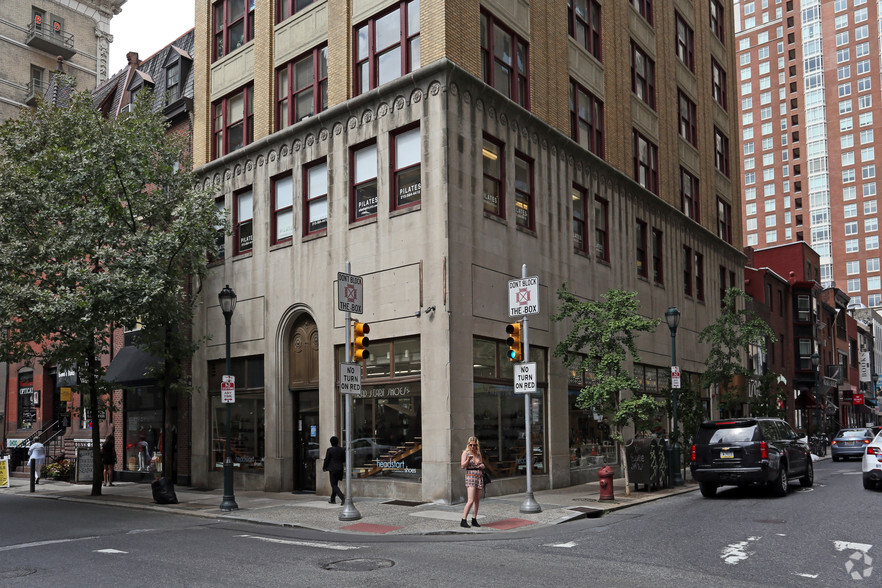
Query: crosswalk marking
[{"x": 320, "y": 545}]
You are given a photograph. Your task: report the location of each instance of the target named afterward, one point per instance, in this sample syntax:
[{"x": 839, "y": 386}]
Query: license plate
[{"x": 727, "y": 455}]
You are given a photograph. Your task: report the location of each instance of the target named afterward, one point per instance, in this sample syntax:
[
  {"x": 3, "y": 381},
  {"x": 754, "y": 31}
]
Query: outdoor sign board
[
  {"x": 675, "y": 377},
  {"x": 350, "y": 291},
  {"x": 228, "y": 389},
  {"x": 350, "y": 378},
  {"x": 523, "y": 296},
  {"x": 525, "y": 377}
]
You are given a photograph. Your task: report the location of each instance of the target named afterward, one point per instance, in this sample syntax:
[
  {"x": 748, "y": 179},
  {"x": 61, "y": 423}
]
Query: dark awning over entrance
[{"x": 129, "y": 367}]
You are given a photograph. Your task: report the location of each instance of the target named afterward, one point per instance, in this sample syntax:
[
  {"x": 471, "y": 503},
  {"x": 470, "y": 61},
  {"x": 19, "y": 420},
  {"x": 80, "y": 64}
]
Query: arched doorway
[{"x": 303, "y": 382}]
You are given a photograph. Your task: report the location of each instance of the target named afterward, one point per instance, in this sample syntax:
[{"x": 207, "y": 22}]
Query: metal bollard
[{"x": 33, "y": 474}]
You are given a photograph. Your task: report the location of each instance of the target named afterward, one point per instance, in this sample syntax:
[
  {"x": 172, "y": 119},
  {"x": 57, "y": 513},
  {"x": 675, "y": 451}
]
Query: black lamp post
[
  {"x": 816, "y": 361},
  {"x": 227, "y": 300},
  {"x": 672, "y": 316}
]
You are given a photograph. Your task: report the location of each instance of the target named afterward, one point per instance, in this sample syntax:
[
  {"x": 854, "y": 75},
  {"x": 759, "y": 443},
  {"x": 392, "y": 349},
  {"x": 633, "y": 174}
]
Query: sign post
[
  {"x": 523, "y": 300},
  {"x": 349, "y": 299},
  {"x": 675, "y": 377}
]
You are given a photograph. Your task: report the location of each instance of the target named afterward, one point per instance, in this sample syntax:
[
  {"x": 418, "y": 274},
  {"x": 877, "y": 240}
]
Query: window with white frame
[
  {"x": 874, "y": 283},
  {"x": 852, "y": 268},
  {"x": 750, "y": 209},
  {"x": 315, "y": 196},
  {"x": 852, "y": 245},
  {"x": 283, "y": 211},
  {"x": 364, "y": 182},
  {"x": 871, "y": 243},
  {"x": 849, "y": 210},
  {"x": 873, "y": 264},
  {"x": 871, "y": 225},
  {"x": 851, "y": 228},
  {"x": 868, "y": 171},
  {"x": 865, "y": 101},
  {"x": 869, "y": 189},
  {"x": 854, "y": 285},
  {"x": 870, "y": 207},
  {"x": 406, "y": 168}
]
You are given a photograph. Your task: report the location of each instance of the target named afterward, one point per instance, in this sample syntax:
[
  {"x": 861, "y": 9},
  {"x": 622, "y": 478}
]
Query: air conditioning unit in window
[{"x": 127, "y": 108}]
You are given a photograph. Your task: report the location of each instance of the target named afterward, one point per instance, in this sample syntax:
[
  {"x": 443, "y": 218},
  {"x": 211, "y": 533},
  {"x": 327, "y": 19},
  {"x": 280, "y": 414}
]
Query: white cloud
[{"x": 146, "y": 26}]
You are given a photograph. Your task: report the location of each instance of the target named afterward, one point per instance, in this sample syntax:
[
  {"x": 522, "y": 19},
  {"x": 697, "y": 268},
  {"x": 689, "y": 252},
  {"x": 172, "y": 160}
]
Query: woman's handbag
[{"x": 486, "y": 476}]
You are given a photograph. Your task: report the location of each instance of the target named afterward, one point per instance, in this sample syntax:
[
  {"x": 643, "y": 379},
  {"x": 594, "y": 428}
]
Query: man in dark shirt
[{"x": 335, "y": 462}]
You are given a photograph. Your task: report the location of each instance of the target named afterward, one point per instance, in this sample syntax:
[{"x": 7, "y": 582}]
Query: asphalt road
[{"x": 814, "y": 537}]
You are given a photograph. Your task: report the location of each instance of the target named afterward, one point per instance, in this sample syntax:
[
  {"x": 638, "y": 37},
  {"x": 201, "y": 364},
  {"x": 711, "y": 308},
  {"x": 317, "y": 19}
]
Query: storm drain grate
[
  {"x": 591, "y": 513},
  {"x": 404, "y": 503},
  {"x": 359, "y": 565}
]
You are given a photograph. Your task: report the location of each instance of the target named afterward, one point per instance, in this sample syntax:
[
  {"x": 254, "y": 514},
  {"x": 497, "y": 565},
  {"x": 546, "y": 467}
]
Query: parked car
[
  {"x": 871, "y": 464},
  {"x": 850, "y": 443},
  {"x": 745, "y": 451}
]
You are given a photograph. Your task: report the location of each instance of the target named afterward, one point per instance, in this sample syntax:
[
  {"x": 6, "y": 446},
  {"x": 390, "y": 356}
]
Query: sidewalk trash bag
[{"x": 163, "y": 491}]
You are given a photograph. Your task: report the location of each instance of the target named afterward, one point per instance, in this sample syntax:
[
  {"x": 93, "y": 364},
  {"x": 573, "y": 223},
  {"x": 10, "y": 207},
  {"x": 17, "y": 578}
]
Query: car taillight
[
  {"x": 693, "y": 453},
  {"x": 870, "y": 451},
  {"x": 834, "y": 441},
  {"x": 866, "y": 441},
  {"x": 764, "y": 450}
]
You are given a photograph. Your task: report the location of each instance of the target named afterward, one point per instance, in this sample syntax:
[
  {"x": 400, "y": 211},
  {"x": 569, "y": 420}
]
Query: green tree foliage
[
  {"x": 730, "y": 338},
  {"x": 769, "y": 395},
  {"x": 601, "y": 338},
  {"x": 100, "y": 227}
]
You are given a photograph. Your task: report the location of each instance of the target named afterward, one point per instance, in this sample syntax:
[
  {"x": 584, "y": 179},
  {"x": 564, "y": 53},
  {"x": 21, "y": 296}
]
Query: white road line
[
  {"x": 335, "y": 546},
  {"x": 843, "y": 545},
  {"x": 109, "y": 551},
  {"x": 805, "y": 575},
  {"x": 735, "y": 553},
  {"x": 568, "y": 545},
  {"x": 42, "y": 543}
]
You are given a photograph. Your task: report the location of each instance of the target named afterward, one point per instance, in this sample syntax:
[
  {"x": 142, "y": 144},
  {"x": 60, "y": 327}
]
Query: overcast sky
[{"x": 146, "y": 26}]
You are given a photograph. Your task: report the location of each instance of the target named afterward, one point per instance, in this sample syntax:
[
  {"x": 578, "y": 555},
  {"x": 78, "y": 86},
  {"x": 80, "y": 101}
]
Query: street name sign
[
  {"x": 523, "y": 296},
  {"x": 349, "y": 293},
  {"x": 350, "y": 378},
  {"x": 228, "y": 389},
  {"x": 675, "y": 377},
  {"x": 525, "y": 378}
]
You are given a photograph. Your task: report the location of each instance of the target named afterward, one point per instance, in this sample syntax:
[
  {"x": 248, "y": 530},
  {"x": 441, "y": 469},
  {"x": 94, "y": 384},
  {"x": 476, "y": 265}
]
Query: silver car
[{"x": 850, "y": 443}]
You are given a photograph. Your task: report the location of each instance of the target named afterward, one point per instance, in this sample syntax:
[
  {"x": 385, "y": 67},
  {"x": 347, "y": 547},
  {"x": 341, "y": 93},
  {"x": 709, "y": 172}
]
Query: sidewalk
[{"x": 378, "y": 515}]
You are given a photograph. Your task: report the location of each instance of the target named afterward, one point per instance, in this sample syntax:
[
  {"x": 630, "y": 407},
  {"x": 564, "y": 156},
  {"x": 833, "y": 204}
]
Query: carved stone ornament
[
  {"x": 416, "y": 96},
  {"x": 272, "y": 156},
  {"x": 367, "y": 117},
  {"x": 323, "y": 136},
  {"x": 454, "y": 90},
  {"x": 297, "y": 145},
  {"x": 399, "y": 103},
  {"x": 435, "y": 88},
  {"x": 310, "y": 140},
  {"x": 249, "y": 165},
  {"x": 260, "y": 160},
  {"x": 353, "y": 122},
  {"x": 383, "y": 110},
  {"x": 238, "y": 169},
  {"x": 338, "y": 128}
]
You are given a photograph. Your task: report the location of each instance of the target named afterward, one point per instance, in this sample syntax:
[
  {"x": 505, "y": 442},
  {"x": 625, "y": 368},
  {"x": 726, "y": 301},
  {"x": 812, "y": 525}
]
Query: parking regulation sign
[
  {"x": 675, "y": 377},
  {"x": 523, "y": 296},
  {"x": 228, "y": 389}
]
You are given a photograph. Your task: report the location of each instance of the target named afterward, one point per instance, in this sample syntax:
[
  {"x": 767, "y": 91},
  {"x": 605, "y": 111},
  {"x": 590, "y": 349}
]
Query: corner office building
[{"x": 438, "y": 146}]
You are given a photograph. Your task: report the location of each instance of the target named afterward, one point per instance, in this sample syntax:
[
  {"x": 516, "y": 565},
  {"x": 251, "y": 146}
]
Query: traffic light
[
  {"x": 515, "y": 349},
  {"x": 360, "y": 341}
]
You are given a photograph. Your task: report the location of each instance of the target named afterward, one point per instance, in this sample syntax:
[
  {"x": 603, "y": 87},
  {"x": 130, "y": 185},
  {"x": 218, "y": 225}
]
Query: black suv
[{"x": 746, "y": 451}]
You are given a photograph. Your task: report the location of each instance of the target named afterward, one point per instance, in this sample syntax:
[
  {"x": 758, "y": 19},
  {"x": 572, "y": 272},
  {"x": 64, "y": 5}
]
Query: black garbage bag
[{"x": 163, "y": 491}]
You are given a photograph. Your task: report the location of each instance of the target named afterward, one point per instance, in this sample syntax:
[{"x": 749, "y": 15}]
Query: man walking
[
  {"x": 37, "y": 455},
  {"x": 335, "y": 462}
]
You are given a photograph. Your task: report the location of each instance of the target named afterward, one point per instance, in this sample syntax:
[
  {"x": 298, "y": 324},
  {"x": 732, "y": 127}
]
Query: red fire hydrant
[{"x": 606, "y": 483}]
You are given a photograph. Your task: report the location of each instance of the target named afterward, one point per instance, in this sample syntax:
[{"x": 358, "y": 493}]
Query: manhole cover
[
  {"x": 359, "y": 565},
  {"x": 19, "y": 573}
]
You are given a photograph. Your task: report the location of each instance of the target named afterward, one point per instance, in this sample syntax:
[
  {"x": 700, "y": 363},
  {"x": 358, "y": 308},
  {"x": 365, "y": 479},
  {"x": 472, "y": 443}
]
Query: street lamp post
[
  {"x": 227, "y": 300},
  {"x": 816, "y": 361},
  {"x": 672, "y": 316}
]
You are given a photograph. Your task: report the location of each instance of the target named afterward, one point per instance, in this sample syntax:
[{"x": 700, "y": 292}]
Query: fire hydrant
[{"x": 606, "y": 483}]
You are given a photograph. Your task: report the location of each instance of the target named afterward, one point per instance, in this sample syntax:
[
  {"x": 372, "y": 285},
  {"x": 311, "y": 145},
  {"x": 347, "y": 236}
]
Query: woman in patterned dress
[{"x": 473, "y": 464}]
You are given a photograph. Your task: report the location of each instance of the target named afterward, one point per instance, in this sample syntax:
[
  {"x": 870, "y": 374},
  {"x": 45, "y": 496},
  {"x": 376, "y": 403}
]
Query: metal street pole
[
  {"x": 349, "y": 512},
  {"x": 228, "y": 304},
  {"x": 672, "y": 316},
  {"x": 529, "y": 505}
]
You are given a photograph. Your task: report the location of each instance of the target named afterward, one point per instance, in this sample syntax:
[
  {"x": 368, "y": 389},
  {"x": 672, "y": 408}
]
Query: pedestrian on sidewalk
[
  {"x": 108, "y": 458},
  {"x": 37, "y": 455},
  {"x": 473, "y": 464},
  {"x": 335, "y": 462}
]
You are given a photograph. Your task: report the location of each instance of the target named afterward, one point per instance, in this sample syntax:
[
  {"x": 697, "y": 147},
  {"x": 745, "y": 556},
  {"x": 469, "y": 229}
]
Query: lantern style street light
[
  {"x": 672, "y": 317},
  {"x": 227, "y": 300}
]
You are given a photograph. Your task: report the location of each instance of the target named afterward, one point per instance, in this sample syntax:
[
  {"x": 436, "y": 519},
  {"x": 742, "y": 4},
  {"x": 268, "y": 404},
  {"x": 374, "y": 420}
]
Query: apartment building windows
[
  {"x": 233, "y": 126},
  {"x": 718, "y": 84},
  {"x": 644, "y": 8},
  {"x": 302, "y": 87},
  {"x": 586, "y": 119},
  {"x": 364, "y": 181},
  {"x": 524, "y": 191},
  {"x": 685, "y": 42},
  {"x": 717, "y": 23},
  {"x": 283, "y": 208},
  {"x": 286, "y": 8},
  {"x": 579, "y": 196},
  {"x": 504, "y": 58},
  {"x": 584, "y": 24},
  {"x": 494, "y": 176},
  {"x": 724, "y": 220},
  {"x": 687, "y": 270},
  {"x": 406, "y": 168},
  {"x": 387, "y": 46},
  {"x": 601, "y": 228},
  {"x": 315, "y": 197},
  {"x": 233, "y": 25},
  {"x": 657, "y": 259},
  {"x": 645, "y": 162},
  {"x": 687, "y": 118},
  {"x": 243, "y": 222},
  {"x": 642, "y": 75},
  {"x": 721, "y": 152},
  {"x": 699, "y": 276},
  {"x": 689, "y": 200}
]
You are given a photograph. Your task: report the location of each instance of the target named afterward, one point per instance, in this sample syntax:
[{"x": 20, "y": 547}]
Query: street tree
[
  {"x": 730, "y": 338},
  {"x": 602, "y": 337},
  {"x": 770, "y": 396},
  {"x": 101, "y": 226}
]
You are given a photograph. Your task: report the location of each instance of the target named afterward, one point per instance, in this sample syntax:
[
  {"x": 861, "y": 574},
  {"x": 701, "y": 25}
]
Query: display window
[{"x": 247, "y": 419}]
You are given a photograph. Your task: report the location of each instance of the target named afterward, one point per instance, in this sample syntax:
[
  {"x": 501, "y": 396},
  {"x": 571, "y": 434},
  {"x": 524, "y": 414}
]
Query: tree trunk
[
  {"x": 624, "y": 465},
  {"x": 97, "y": 466}
]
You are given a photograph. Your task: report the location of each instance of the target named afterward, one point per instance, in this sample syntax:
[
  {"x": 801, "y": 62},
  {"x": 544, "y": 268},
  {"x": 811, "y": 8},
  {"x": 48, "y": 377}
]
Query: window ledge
[
  {"x": 582, "y": 253},
  {"x": 241, "y": 256},
  {"x": 526, "y": 231},
  {"x": 362, "y": 222},
  {"x": 404, "y": 210},
  {"x": 282, "y": 244},
  {"x": 602, "y": 261},
  {"x": 495, "y": 217},
  {"x": 314, "y": 236}
]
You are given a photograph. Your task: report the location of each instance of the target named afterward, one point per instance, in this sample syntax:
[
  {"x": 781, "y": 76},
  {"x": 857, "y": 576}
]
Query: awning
[{"x": 129, "y": 367}]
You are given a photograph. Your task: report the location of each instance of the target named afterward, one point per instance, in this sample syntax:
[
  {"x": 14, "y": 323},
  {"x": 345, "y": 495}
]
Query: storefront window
[
  {"x": 499, "y": 412},
  {"x": 27, "y": 411},
  {"x": 247, "y": 431},
  {"x": 143, "y": 413},
  {"x": 387, "y": 415}
]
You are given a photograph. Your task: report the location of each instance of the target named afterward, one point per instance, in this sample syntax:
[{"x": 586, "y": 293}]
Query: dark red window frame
[
  {"x": 721, "y": 152},
  {"x": 225, "y": 30},
  {"x": 519, "y": 66},
  {"x": 642, "y": 252},
  {"x": 588, "y": 115},
  {"x": 658, "y": 275},
  {"x": 242, "y": 226},
  {"x": 280, "y": 210},
  {"x": 699, "y": 276},
  {"x": 642, "y": 78},
  {"x": 364, "y": 184},
  {"x": 718, "y": 84},
  {"x": 309, "y": 199},
  {"x": 717, "y": 22},
  {"x": 221, "y": 117},
  {"x": 286, "y": 105},
  {"x": 644, "y": 8},
  {"x": 690, "y": 202},
  {"x": 524, "y": 192},
  {"x": 584, "y": 24},
  {"x": 499, "y": 181},
  {"x": 580, "y": 218},
  {"x": 687, "y": 270},
  {"x": 724, "y": 220},
  {"x": 411, "y": 193},
  {"x": 366, "y": 70},
  {"x": 601, "y": 228},
  {"x": 684, "y": 41},
  {"x": 288, "y": 8},
  {"x": 688, "y": 118},
  {"x": 646, "y": 167}
]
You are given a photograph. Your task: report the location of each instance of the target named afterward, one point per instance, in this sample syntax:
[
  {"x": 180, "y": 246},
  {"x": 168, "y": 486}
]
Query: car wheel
[
  {"x": 869, "y": 484},
  {"x": 779, "y": 487},
  {"x": 708, "y": 490},
  {"x": 809, "y": 478}
]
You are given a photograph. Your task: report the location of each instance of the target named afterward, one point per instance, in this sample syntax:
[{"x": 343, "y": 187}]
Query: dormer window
[
  {"x": 177, "y": 66},
  {"x": 139, "y": 82}
]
